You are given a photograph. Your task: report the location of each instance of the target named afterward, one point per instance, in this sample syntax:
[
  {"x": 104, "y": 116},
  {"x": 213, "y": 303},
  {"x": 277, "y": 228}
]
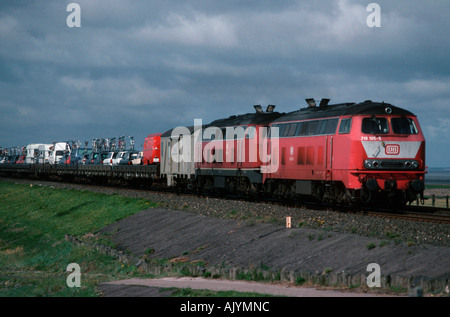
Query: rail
[{"x": 414, "y": 216}]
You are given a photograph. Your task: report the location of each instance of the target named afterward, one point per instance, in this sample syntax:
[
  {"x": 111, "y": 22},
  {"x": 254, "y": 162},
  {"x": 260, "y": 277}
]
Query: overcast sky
[{"x": 138, "y": 67}]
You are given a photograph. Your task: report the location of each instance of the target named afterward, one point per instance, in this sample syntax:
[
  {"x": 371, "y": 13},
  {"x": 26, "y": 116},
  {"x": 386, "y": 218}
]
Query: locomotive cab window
[
  {"x": 403, "y": 126},
  {"x": 375, "y": 125}
]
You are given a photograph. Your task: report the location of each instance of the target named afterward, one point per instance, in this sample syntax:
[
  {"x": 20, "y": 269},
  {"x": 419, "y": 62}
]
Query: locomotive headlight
[
  {"x": 414, "y": 164},
  {"x": 367, "y": 164}
]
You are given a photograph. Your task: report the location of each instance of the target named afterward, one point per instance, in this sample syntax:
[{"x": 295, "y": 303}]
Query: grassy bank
[{"x": 33, "y": 252}]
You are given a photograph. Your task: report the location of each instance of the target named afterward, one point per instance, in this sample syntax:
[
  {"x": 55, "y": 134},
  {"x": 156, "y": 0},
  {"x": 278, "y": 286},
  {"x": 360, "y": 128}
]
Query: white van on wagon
[
  {"x": 32, "y": 153},
  {"x": 44, "y": 153},
  {"x": 57, "y": 151}
]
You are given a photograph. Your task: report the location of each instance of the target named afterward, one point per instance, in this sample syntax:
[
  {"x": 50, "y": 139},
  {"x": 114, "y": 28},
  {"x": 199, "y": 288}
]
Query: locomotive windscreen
[
  {"x": 403, "y": 126},
  {"x": 375, "y": 125}
]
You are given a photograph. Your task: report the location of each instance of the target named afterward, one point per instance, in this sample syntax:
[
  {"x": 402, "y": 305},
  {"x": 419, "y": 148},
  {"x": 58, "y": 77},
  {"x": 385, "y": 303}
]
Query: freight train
[{"x": 348, "y": 153}]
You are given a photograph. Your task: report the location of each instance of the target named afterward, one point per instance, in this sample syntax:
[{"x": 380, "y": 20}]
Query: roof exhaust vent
[
  {"x": 258, "y": 108},
  {"x": 311, "y": 102},
  {"x": 270, "y": 108},
  {"x": 324, "y": 102}
]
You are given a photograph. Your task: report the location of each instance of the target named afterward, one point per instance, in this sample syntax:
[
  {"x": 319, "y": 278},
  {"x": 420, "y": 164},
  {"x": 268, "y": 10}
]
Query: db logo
[{"x": 392, "y": 149}]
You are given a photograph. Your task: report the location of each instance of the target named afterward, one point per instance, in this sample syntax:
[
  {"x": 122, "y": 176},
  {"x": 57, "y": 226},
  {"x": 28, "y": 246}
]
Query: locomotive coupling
[
  {"x": 390, "y": 185},
  {"x": 372, "y": 184},
  {"x": 417, "y": 185}
]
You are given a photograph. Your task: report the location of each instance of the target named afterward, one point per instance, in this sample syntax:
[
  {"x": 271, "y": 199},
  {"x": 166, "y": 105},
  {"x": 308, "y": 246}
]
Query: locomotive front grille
[
  {"x": 392, "y": 164},
  {"x": 374, "y": 164}
]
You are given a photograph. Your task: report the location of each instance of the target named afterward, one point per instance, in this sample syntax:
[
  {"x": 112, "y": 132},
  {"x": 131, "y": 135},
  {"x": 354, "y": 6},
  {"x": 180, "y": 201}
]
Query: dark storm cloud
[{"x": 137, "y": 67}]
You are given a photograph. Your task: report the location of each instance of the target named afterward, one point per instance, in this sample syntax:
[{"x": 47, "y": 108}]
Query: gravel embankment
[{"x": 388, "y": 230}]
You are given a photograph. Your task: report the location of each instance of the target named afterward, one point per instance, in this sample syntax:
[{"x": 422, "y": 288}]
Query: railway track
[
  {"x": 412, "y": 213},
  {"x": 413, "y": 216}
]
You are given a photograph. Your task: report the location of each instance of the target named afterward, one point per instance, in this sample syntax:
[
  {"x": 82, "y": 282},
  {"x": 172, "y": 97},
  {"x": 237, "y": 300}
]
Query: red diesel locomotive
[
  {"x": 232, "y": 152},
  {"x": 345, "y": 153}
]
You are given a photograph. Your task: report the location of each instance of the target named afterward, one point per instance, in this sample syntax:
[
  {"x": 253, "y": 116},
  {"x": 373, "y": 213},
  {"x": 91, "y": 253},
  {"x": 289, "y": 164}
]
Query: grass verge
[{"x": 33, "y": 252}]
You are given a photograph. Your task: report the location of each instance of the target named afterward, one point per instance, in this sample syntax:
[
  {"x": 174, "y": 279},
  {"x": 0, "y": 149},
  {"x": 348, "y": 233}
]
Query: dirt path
[{"x": 227, "y": 285}]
